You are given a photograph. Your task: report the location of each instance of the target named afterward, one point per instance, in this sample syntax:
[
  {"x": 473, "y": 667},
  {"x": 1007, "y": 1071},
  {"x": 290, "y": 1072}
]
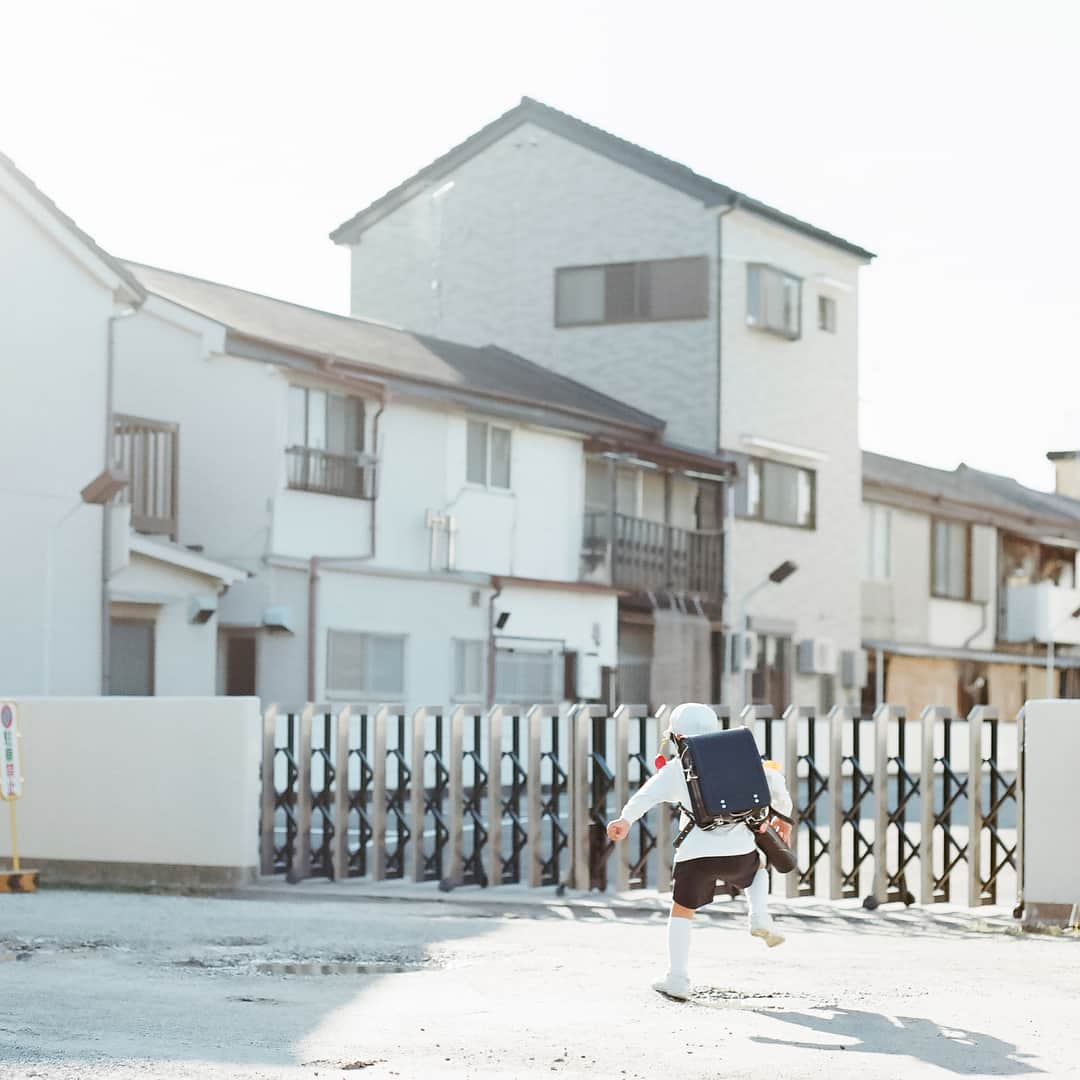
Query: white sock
[
  {"x": 757, "y": 897},
  {"x": 678, "y": 946}
]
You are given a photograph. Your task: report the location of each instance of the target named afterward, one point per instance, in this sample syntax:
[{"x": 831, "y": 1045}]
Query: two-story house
[
  {"x": 967, "y": 577},
  {"x": 733, "y": 321},
  {"x": 79, "y": 588},
  {"x": 422, "y": 521}
]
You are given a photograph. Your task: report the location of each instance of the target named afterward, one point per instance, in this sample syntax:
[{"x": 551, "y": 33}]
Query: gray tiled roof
[
  {"x": 1000, "y": 495},
  {"x": 659, "y": 168},
  {"x": 383, "y": 351}
]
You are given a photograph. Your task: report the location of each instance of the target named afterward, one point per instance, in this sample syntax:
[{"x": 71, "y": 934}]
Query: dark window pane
[
  {"x": 476, "y": 453},
  {"x": 579, "y": 296},
  {"x": 131, "y": 658},
  {"x": 673, "y": 289},
  {"x": 619, "y": 293},
  {"x": 240, "y": 666}
]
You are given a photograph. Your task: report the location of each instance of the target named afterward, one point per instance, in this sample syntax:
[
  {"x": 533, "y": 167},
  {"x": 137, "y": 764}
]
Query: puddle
[{"x": 309, "y": 968}]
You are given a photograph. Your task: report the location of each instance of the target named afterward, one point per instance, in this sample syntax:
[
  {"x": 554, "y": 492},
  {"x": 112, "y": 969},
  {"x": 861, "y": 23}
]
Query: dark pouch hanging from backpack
[{"x": 777, "y": 854}]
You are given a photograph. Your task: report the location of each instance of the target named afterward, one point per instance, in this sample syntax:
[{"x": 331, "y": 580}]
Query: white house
[
  {"x": 412, "y": 512},
  {"x": 733, "y": 321},
  {"x": 63, "y": 628},
  {"x": 966, "y": 578}
]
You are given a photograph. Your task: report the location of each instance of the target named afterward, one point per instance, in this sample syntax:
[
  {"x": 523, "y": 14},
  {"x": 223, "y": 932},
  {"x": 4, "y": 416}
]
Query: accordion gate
[{"x": 887, "y": 807}]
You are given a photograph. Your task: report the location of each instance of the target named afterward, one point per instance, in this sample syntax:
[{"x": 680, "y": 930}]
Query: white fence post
[
  {"x": 494, "y": 795},
  {"x": 534, "y": 720},
  {"x": 378, "y": 793},
  {"x": 883, "y": 714},
  {"x": 341, "y": 794},
  {"x": 455, "y": 795},
  {"x": 929, "y": 720},
  {"x": 417, "y": 791},
  {"x": 269, "y": 791},
  {"x": 622, "y": 792},
  {"x": 975, "y": 808},
  {"x": 839, "y": 717},
  {"x": 301, "y": 867},
  {"x": 792, "y": 715},
  {"x": 664, "y": 853}
]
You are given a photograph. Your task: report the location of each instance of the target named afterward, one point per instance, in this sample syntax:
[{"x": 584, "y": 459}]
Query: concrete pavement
[{"x": 301, "y": 984}]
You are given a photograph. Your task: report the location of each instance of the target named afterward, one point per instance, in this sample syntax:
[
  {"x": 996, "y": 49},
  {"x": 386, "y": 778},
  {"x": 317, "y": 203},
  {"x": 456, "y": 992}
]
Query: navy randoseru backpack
[{"x": 725, "y": 777}]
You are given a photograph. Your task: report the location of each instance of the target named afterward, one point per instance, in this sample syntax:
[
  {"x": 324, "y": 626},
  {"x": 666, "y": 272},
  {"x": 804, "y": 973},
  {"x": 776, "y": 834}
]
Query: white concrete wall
[
  {"x": 528, "y": 204},
  {"x": 185, "y": 653},
  {"x": 1052, "y": 748},
  {"x": 803, "y": 393},
  {"x": 232, "y": 422},
  {"x": 53, "y": 319},
  {"x": 903, "y": 609},
  {"x": 140, "y": 780}
]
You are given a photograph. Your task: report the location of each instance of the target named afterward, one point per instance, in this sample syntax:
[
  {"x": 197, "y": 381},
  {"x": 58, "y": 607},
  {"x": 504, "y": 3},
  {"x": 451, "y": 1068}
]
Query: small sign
[{"x": 10, "y": 766}]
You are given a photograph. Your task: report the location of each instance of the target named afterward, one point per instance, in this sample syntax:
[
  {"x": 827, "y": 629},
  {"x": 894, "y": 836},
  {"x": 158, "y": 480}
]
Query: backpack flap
[{"x": 725, "y": 776}]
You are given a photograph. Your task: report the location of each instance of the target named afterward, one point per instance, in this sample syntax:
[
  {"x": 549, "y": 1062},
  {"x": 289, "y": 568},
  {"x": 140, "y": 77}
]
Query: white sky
[{"x": 227, "y": 139}]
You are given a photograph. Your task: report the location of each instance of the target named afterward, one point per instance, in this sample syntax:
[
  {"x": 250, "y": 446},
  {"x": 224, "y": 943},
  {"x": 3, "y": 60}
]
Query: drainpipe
[
  {"x": 106, "y": 510},
  {"x": 491, "y": 641},
  {"x": 728, "y": 563},
  {"x": 320, "y": 560},
  {"x": 720, "y": 306}
]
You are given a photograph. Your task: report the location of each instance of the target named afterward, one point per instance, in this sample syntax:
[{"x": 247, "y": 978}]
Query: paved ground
[{"x": 96, "y": 985}]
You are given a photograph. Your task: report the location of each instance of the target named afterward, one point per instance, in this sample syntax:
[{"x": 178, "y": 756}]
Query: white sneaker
[
  {"x": 767, "y": 932},
  {"x": 673, "y": 986}
]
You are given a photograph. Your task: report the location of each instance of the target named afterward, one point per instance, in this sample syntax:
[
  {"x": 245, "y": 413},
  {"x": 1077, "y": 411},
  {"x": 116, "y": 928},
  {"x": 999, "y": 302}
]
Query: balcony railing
[
  {"x": 149, "y": 452},
  {"x": 1033, "y": 612},
  {"x": 352, "y": 476},
  {"x": 648, "y": 555}
]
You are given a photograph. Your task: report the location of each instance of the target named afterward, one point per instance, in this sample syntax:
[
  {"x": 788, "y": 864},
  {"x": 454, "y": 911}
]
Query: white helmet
[{"x": 693, "y": 719}]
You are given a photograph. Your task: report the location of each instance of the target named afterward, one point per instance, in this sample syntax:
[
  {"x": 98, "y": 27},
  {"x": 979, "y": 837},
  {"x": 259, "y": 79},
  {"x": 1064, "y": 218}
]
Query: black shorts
[{"x": 695, "y": 880}]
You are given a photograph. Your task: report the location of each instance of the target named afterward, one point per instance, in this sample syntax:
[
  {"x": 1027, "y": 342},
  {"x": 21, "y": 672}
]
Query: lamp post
[
  {"x": 1051, "y": 689},
  {"x": 780, "y": 574}
]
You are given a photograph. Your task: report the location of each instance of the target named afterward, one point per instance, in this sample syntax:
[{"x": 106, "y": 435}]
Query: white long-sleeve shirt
[{"x": 669, "y": 786}]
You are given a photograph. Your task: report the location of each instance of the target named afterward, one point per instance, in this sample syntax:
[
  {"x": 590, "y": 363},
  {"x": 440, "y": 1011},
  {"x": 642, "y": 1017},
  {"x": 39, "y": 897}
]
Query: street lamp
[
  {"x": 778, "y": 575},
  {"x": 1051, "y": 690}
]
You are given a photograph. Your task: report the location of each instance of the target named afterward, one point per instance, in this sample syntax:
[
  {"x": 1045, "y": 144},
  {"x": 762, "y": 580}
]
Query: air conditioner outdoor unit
[
  {"x": 853, "y": 669},
  {"x": 817, "y": 656}
]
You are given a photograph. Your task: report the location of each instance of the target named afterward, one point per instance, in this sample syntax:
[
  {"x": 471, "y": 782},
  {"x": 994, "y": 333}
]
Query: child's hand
[
  {"x": 618, "y": 829},
  {"x": 784, "y": 829}
]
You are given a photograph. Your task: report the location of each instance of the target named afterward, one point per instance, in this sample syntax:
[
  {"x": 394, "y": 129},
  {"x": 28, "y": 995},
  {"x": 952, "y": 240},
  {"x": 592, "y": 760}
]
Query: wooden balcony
[
  {"x": 149, "y": 452},
  {"x": 651, "y": 556},
  {"x": 350, "y": 476}
]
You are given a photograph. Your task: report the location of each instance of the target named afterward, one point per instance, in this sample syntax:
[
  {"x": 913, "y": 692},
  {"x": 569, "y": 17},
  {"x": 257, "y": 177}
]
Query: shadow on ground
[{"x": 954, "y": 1049}]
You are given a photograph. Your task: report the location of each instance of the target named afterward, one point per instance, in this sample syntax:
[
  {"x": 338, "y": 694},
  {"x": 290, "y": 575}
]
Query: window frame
[
  {"x": 561, "y": 324},
  {"x": 148, "y": 622},
  {"x": 366, "y": 694},
  {"x": 359, "y": 403},
  {"x": 828, "y": 313},
  {"x": 488, "y": 425},
  {"x": 557, "y": 659},
  {"x": 463, "y": 695},
  {"x": 875, "y": 513},
  {"x": 966, "y": 526},
  {"x": 760, "y": 463},
  {"x": 752, "y": 321}
]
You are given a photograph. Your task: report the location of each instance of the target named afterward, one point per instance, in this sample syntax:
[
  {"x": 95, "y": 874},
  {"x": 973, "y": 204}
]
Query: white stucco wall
[
  {"x": 170, "y": 367},
  {"x": 140, "y": 780},
  {"x": 185, "y": 653},
  {"x": 803, "y": 393},
  {"x": 53, "y": 319},
  {"x": 902, "y": 608}
]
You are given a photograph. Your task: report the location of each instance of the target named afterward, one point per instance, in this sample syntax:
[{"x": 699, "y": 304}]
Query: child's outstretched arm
[
  {"x": 780, "y": 798},
  {"x": 662, "y": 786}
]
